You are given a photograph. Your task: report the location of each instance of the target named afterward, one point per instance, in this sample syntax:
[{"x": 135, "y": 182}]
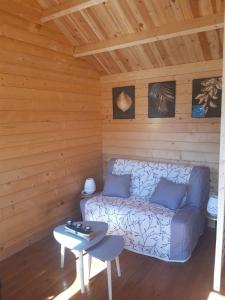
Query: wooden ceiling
[{"x": 95, "y": 24}]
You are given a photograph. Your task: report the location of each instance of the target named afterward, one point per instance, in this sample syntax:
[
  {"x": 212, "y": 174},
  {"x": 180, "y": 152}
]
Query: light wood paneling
[
  {"x": 50, "y": 103},
  {"x": 108, "y": 25},
  {"x": 181, "y": 139},
  {"x": 50, "y": 127},
  {"x": 67, "y": 8},
  {"x": 172, "y": 30}
]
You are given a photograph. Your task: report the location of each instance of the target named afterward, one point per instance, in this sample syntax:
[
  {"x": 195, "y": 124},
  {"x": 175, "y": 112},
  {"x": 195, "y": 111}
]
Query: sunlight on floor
[
  {"x": 70, "y": 292},
  {"x": 215, "y": 296},
  {"x": 97, "y": 267}
]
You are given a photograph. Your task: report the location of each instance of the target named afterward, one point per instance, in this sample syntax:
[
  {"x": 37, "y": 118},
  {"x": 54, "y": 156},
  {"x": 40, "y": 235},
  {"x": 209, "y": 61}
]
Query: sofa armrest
[
  {"x": 186, "y": 227},
  {"x": 199, "y": 186}
]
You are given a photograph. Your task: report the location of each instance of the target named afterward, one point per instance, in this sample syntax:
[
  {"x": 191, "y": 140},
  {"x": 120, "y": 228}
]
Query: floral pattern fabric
[{"x": 146, "y": 175}]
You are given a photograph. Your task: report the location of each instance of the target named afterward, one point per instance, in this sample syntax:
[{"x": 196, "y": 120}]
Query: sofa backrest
[{"x": 146, "y": 175}]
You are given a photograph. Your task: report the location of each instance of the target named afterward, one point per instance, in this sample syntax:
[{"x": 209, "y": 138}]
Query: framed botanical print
[
  {"x": 161, "y": 99},
  {"x": 206, "y": 97},
  {"x": 123, "y": 102}
]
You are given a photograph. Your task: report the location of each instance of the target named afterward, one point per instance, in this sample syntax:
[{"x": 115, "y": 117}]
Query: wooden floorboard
[{"x": 34, "y": 274}]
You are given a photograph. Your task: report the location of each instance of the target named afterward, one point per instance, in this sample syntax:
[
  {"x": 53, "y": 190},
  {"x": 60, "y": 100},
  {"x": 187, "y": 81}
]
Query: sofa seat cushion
[{"x": 145, "y": 226}]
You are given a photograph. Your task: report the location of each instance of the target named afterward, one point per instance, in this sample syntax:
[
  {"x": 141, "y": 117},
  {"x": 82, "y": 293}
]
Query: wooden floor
[{"x": 34, "y": 274}]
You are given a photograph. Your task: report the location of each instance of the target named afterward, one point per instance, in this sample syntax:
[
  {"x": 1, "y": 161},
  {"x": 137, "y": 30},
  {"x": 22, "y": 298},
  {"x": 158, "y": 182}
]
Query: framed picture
[
  {"x": 161, "y": 99},
  {"x": 123, "y": 102},
  {"x": 206, "y": 97}
]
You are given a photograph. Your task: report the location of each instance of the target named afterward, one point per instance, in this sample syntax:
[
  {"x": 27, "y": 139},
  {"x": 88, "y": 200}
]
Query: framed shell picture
[
  {"x": 123, "y": 102},
  {"x": 206, "y": 97},
  {"x": 161, "y": 99}
]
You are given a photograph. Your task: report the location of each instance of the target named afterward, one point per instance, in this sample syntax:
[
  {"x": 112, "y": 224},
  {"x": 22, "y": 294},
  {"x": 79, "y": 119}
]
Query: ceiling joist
[
  {"x": 67, "y": 8},
  {"x": 164, "y": 32}
]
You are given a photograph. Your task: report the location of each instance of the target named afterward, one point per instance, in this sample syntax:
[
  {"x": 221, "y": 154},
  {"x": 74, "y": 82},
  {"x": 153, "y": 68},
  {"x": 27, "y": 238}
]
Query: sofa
[{"x": 149, "y": 228}]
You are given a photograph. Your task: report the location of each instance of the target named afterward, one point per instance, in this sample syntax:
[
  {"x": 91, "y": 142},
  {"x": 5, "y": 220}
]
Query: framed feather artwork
[
  {"x": 161, "y": 99},
  {"x": 123, "y": 102},
  {"x": 206, "y": 97}
]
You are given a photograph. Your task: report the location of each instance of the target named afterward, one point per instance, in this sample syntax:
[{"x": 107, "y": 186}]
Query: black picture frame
[
  {"x": 206, "y": 97},
  {"x": 123, "y": 99},
  {"x": 162, "y": 99}
]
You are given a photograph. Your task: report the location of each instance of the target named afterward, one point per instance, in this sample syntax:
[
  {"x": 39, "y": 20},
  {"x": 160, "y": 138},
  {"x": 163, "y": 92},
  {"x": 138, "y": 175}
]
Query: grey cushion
[
  {"x": 169, "y": 194},
  {"x": 117, "y": 186}
]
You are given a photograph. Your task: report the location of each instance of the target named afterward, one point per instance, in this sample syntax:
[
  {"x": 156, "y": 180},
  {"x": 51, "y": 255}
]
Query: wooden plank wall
[
  {"x": 181, "y": 139},
  {"x": 50, "y": 127}
]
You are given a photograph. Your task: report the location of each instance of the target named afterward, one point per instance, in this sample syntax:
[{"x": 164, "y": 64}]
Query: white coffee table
[{"x": 77, "y": 244}]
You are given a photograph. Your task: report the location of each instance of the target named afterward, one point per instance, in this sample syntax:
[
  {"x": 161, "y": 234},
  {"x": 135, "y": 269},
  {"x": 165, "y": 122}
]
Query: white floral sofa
[{"x": 149, "y": 228}]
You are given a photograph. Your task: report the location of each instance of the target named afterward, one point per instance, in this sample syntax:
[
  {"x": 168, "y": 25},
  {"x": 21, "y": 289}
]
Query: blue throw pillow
[
  {"x": 117, "y": 186},
  {"x": 169, "y": 194}
]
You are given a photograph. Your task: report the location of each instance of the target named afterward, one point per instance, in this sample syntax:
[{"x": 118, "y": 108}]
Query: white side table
[
  {"x": 88, "y": 196},
  {"x": 211, "y": 220},
  {"x": 77, "y": 244}
]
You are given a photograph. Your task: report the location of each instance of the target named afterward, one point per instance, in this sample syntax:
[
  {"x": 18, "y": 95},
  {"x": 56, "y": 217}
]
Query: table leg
[
  {"x": 118, "y": 266},
  {"x": 109, "y": 278},
  {"x": 89, "y": 266},
  {"x": 80, "y": 270},
  {"x": 62, "y": 256}
]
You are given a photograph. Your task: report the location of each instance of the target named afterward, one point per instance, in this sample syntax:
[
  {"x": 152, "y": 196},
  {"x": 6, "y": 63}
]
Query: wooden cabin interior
[{"x": 60, "y": 61}]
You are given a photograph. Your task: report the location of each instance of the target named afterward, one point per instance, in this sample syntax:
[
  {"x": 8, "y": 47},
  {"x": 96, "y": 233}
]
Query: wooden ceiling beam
[
  {"x": 213, "y": 66},
  {"x": 67, "y": 8},
  {"x": 164, "y": 32}
]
